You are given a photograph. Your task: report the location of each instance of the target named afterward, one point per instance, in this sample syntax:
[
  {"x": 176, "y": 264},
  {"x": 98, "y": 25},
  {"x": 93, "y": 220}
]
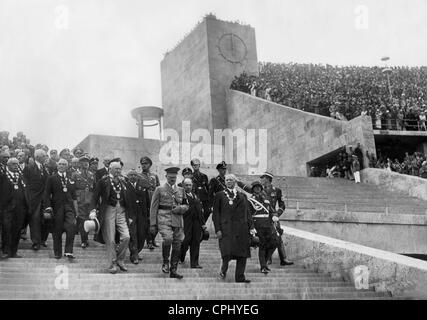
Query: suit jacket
[
  {"x": 55, "y": 197},
  {"x": 100, "y": 202},
  {"x": 235, "y": 222},
  {"x": 100, "y": 173},
  {"x": 35, "y": 179},
  {"x": 195, "y": 211},
  {"x": 139, "y": 200},
  {"x": 11, "y": 199}
]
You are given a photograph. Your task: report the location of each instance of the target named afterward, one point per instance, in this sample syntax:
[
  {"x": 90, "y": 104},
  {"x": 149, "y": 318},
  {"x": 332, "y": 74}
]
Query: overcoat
[{"x": 235, "y": 222}]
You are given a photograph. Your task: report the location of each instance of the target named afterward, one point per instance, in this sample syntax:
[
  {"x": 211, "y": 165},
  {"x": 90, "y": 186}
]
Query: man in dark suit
[
  {"x": 139, "y": 208},
  {"x": 194, "y": 224},
  {"x": 60, "y": 198},
  {"x": 201, "y": 187},
  {"x": 233, "y": 226},
  {"x": 35, "y": 177},
  {"x": 14, "y": 206},
  {"x": 217, "y": 184},
  {"x": 103, "y": 171},
  {"x": 111, "y": 203}
]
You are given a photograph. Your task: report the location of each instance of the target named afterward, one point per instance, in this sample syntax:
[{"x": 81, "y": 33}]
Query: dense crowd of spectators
[
  {"x": 344, "y": 92},
  {"x": 414, "y": 164}
]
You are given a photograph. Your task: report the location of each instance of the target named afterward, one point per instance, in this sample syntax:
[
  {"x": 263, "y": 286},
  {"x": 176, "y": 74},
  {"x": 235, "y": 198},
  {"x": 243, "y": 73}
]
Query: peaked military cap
[
  {"x": 92, "y": 160},
  {"x": 267, "y": 174},
  {"x": 256, "y": 183},
  {"x": 84, "y": 158},
  {"x": 146, "y": 159},
  {"x": 172, "y": 170},
  {"x": 221, "y": 165},
  {"x": 187, "y": 171}
]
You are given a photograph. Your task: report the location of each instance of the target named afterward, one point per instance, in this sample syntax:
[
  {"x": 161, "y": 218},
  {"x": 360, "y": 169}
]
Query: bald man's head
[
  {"x": 12, "y": 164},
  {"x": 40, "y": 155},
  {"x": 115, "y": 169}
]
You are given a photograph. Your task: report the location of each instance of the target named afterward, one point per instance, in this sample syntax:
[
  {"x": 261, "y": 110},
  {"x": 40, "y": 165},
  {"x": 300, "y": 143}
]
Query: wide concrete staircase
[
  {"x": 39, "y": 276},
  {"x": 342, "y": 195}
]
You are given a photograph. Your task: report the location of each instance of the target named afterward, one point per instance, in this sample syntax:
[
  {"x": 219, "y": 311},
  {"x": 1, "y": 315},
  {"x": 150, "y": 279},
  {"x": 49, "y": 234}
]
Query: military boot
[{"x": 174, "y": 264}]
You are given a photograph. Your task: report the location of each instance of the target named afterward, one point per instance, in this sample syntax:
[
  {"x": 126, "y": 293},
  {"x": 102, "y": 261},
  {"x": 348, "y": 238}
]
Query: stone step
[{"x": 185, "y": 296}]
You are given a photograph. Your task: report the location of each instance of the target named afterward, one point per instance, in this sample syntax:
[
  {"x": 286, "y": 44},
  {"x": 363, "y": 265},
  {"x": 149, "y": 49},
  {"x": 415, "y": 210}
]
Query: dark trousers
[
  {"x": 12, "y": 222},
  {"x": 138, "y": 231},
  {"x": 240, "y": 267},
  {"x": 264, "y": 254},
  {"x": 193, "y": 232},
  {"x": 38, "y": 229},
  {"x": 80, "y": 227},
  {"x": 206, "y": 210},
  {"x": 64, "y": 220},
  {"x": 281, "y": 249}
]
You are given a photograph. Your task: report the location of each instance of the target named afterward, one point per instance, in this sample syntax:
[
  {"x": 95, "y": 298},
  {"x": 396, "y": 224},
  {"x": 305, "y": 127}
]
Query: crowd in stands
[
  {"x": 344, "y": 93},
  {"x": 414, "y": 164}
]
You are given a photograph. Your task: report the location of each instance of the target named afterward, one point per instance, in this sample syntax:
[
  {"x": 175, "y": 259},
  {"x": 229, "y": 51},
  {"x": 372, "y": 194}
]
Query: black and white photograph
[{"x": 231, "y": 152}]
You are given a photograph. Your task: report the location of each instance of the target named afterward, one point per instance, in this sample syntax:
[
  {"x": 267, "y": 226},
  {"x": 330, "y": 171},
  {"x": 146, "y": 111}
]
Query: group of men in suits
[{"x": 54, "y": 196}]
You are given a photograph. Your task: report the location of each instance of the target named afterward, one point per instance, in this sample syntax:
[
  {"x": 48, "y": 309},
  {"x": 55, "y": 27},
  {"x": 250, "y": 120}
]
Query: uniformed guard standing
[
  {"x": 201, "y": 187},
  {"x": 262, "y": 215},
  {"x": 274, "y": 195},
  {"x": 150, "y": 181},
  {"x": 166, "y": 217},
  {"x": 217, "y": 184},
  {"x": 84, "y": 184}
]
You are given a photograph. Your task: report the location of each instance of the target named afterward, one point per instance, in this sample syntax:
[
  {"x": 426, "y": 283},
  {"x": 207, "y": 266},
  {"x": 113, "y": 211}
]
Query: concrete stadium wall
[
  {"x": 185, "y": 82},
  {"x": 388, "y": 272},
  {"x": 295, "y": 137},
  {"x": 410, "y": 185},
  {"x": 399, "y": 233},
  {"x": 196, "y": 74},
  {"x": 130, "y": 150}
]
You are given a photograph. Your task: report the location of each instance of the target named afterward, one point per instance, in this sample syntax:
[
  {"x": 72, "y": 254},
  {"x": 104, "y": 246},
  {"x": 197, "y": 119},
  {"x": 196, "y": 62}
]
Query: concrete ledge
[
  {"x": 354, "y": 217},
  {"x": 388, "y": 272},
  {"x": 410, "y": 185}
]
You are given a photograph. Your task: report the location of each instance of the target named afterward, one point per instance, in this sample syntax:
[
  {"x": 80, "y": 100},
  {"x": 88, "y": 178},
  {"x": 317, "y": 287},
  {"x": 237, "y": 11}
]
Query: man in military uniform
[
  {"x": 93, "y": 165},
  {"x": 274, "y": 195},
  {"x": 84, "y": 184},
  {"x": 75, "y": 165},
  {"x": 217, "y": 184},
  {"x": 150, "y": 181},
  {"x": 167, "y": 217},
  {"x": 201, "y": 187}
]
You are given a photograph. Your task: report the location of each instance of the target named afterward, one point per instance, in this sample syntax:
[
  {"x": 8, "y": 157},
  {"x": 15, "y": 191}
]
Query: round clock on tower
[{"x": 232, "y": 48}]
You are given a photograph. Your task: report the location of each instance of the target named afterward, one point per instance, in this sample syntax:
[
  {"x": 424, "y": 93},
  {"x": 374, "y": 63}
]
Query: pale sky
[{"x": 60, "y": 81}]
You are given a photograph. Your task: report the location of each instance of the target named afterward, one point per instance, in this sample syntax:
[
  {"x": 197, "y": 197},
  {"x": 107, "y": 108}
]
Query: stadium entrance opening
[
  {"x": 317, "y": 167},
  {"x": 395, "y": 146}
]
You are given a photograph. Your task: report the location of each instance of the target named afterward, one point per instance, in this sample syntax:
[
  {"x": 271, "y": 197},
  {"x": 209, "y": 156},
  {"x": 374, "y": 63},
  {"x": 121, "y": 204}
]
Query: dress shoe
[
  {"x": 244, "y": 281},
  {"x": 4, "y": 256},
  {"x": 264, "y": 270},
  {"x": 122, "y": 266},
  {"x": 85, "y": 245},
  {"x": 69, "y": 255},
  {"x": 175, "y": 275},
  {"x": 165, "y": 268},
  {"x": 134, "y": 261},
  {"x": 139, "y": 258},
  {"x": 196, "y": 267},
  {"x": 112, "y": 269},
  {"x": 57, "y": 257},
  {"x": 44, "y": 244},
  {"x": 155, "y": 244},
  {"x": 268, "y": 269},
  {"x": 35, "y": 247},
  {"x": 222, "y": 275},
  {"x": 150, "y": 247},
  {"x": 286, "y": 263}
]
